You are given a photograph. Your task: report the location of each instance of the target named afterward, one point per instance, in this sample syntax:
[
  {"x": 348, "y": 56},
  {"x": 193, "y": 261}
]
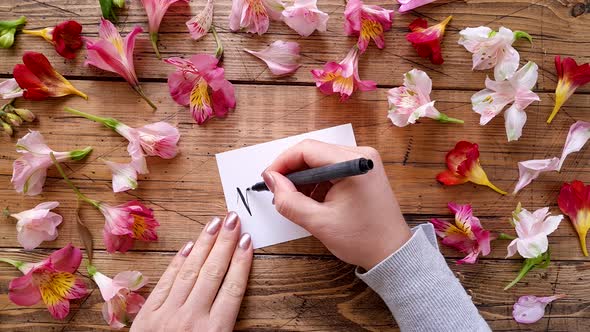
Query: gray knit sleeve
[{"x": 420, "y": 290}]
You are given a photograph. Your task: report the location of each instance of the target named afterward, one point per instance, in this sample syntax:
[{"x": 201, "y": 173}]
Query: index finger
[{"x": 310, "y": 153}]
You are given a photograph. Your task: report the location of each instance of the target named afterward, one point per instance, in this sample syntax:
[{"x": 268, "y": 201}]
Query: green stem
[
  {"x": 140, "y": 92},
  {"x": 91, "y": 270},
  {"x": 219, "y": 50},
  {"x": 443, "y": 118},
  {"x": 12, "y": 262},
  {"x": 108, "y": 122},
  {"x": 504, "y": 236},
  {"x": 154, "y": 40},
  {"x": 526, "y": 267},
  {"x": 81, "y": 196}
]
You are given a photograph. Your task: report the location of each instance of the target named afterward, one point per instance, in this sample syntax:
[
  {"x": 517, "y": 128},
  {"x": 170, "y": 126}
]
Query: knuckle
[
  {"x": 234, "y": 289},
  {"x": 283, "y": 207},
  {"x": 213, "y": 271},
  {"x": 370, "y": 152},
  {"x": 189, "y": 273}
]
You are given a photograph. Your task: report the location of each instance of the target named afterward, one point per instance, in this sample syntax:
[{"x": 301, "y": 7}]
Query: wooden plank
[
  {"x": 549, "y": 22},
  {"x": 322, "y": 294},
  {"x": 185, "y": 192}
]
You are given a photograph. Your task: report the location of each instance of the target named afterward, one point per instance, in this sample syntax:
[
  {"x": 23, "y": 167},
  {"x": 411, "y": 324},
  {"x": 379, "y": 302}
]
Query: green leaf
[{"x": 521, "y": 34}]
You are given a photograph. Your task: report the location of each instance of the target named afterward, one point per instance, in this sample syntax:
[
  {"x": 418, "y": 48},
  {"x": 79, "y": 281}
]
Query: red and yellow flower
[
  {"x": 571, "y": 76},
  {"x": 66, "y": 37},
  {"x": 463, "y": 166},
  {"x": 426, "y": 40},
  {"x": 574, "y": 201}
]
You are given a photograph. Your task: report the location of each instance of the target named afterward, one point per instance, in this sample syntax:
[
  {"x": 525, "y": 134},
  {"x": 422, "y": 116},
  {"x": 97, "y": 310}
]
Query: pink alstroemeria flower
[
  {"x": 493, "y": 49},
  {"x": 30, "y": 170},
  {"x": 156, "y": 9},
  {"x": 126, "y": 223},
  {"x": 254, "y": 15},
  {"x": 465, "y": 235},
  {"x": 304, "y": 17},
  {"x": 577, "y": 137},
  {"x": 52, "y": 280},
  {"x": 10, "y": 89},
  {"x": 199, "y": 25},
  {"x": 407, "y": 5},
  {"x": 368, "y": 22},
  {"x": 517, "y": 89},
  {"x": 124, "y": 176},
  {"x": 200, "y": 83},
  {"x": 37, "y": 225},
  {"x": 342, "y": 77},
  {"x": 530, "y": 309},
  {"x": 531, "y": 169},
  {"x": 281, "y": 57},
  {"x": 411, "y": 101},
  {"x": 112, "y": 53},
  {"x": 532, "y": 230},
  {"x": 121, "y": 302}
]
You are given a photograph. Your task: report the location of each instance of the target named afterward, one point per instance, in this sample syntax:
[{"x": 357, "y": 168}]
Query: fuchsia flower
[
  {"x": 426, "y": 40},
  {"x": 407, "y": 5},
  {"x": 281, "y": 57},
  {"x": 465, "y": 235},
  {"x": 577, "y": 137},
  {"x": 199, "y": 25},
  {"x": 531, "y": 169},
  {"x": 254, "y": 15},
  {"x": 463, "y": 166},
  {"x": 517, "y": 89},
  {"x": 66, "y": 37},
  {"x": 571, "y": 76},
  {"x": 52, "y": 280},
  {"x": 342, "y": 77},
  {"x": 30, "y": 170},
  {"x": 121, "y": 302},
  {"x": 529, "y": 308},
  {"x": 574, "y": 201},
  {"x": 40, "y": 80},
  {"x": 37, "y": 225},
  {"x": 200, "y": 83},
  {"x": 304, "y": 17},
  {"x": 126, "y": 223},
  {"x": 156, "y": 9},
  {"x": 112, "y": 53},
  {"x": 493, "y": 49},
  {"x": 367, "y": 22},
  {"x": 411, "y": 101},
  {"x": 9, "y": 89}
]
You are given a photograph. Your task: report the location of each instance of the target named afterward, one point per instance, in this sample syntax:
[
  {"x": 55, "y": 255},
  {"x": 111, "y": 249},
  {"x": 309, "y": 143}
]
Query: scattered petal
[
  {"x": 281, "y": 57},
  {"x": 531, "y": 169}
]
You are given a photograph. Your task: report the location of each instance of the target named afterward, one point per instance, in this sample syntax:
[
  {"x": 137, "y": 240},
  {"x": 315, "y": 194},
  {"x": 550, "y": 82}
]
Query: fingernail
[
  {"x": 231, "y": 220},
  {"x": 186, "y": 250},
  {"x": 213, "y": 226},
  {"x": 245, "y": 241},
  {"x": 269, "y": 180}
]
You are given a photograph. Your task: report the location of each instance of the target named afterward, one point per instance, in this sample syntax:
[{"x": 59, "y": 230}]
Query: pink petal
[
  {"x": 107, "y": 288},
  {"x": 159, "y": 139},
  {"x": 530, "y": 169},
  {"x": 200, "y": 24},
  {"x": 33, "y": 142},
  {"x": 243, "y": 16},
  {"x": 22, "y": 291},
  {"x": 132, "y": 280},
  {"x": 304, "y": 17},
  {"x": 530, "y": 309},
  {"x": 512, "y": 248},
  {"x": 124, "y": 176},
  {"x": 515, "y": 121},
  {"x": 577, "y": 137},
  {"x": 281, "y": 57},
  {"x": 9, "y": 89},
  {"x": 67, "y": 259},
  {"x": 180, "y": 87},
  {"x": 156, "y": 9},
  {"x": 407, "y": 5}
]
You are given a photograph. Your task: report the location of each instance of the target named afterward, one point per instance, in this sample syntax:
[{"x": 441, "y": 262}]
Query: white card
[{"x": 243, "y": 167}]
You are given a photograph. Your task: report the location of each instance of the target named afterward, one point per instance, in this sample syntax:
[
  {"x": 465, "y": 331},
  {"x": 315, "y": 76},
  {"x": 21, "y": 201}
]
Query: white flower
[{"x": 532, "y": 230}]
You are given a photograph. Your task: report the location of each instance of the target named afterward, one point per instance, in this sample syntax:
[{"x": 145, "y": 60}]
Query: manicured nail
[
  {"x": 186, "y": 250},
  {"x": 213, "y": 226},
  {"x": 231, "y": 220},
  {"x": 269, "y": 180},
  {"x": 245, "y": 241}
]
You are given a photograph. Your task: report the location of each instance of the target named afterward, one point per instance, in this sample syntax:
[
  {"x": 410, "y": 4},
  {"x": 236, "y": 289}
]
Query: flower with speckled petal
[
  {"x": 253, "y": 16},
  {"x": 199, "y": 25},
  {"x": 37, "y": 225},
  {"x": 368, "y": 22},
  {"x": 126, "y": 223}
]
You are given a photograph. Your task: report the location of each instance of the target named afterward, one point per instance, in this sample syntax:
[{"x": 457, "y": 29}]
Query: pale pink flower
[
  {"x": 368, "y": 22},
  {"x": 407, "y": 5},
  {"x": 577, "y": 137},
  {"x": 531, "y": 169},
  {"x": 156, "y": 9},
  {"x": 465, "y": 235},
  {"x": 200, "y": 83},
  {"x": 200, "y": 24},
  {"x": 37, "y": 225},
  {"x": 342, "y": 77},
  {"x": 126, "y": 223},
  {"x": 530, "y": 309},
  {"x": 281, "y": 57},
  {"x": 30, "y": 170},
  {"x": 124, "y": 176},
  {"x": 411, "y": 101},
  {"x": 156, "y": 139},
  {"x": 304, "y": 17},
  {"x": 532, "y": 230},
  {"x": 121, "y": 302},
  {"x": 10, "y": 89},
  {"x": 254, "y": 15},
  {"x": 517, "y": 89},
  {"x": 491, "y": 49}
]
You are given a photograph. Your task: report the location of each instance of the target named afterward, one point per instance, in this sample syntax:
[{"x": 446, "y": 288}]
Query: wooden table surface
[{"x": 299, "y": 285}]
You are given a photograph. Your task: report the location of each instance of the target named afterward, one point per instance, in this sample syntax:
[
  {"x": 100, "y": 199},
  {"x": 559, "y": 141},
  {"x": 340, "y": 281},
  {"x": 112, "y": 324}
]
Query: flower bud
[
  {"x": 25, "y": 114},
  {"x": 119, "y": 3},
  {"x": 80, "y": 154},
  {"x": 7, "y": 128},
  {"x": 13, "y": 119},
  {"x": 8, "y": 29}
]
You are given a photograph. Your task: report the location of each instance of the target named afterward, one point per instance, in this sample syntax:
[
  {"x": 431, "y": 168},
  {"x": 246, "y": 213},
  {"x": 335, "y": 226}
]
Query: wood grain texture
[{"x": 299, "y": 286}]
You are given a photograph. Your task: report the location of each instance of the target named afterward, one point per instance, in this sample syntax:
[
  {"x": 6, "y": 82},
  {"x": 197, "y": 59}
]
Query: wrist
[{"x": 386, "y": 246}]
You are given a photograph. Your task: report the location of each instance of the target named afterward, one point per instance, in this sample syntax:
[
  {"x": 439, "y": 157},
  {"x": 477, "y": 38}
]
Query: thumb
[{"x": 289, "y": 202}]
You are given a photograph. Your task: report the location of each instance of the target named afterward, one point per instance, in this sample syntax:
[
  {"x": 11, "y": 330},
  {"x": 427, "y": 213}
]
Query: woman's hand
[
  {"x": 357, "y": 218},
  {"x": 203, "y": 287}
]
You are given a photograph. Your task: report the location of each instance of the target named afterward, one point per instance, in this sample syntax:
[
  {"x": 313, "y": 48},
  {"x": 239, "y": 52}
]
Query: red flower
[
  {"x": 40, "y": 80},
  {"x": 463, "y": 166},
  {"x": 571, "y": 76},
  {"x": 426, "y": 40},
  {"x": 574, "y": 201},
  {"x": 66, "y": 37}
]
